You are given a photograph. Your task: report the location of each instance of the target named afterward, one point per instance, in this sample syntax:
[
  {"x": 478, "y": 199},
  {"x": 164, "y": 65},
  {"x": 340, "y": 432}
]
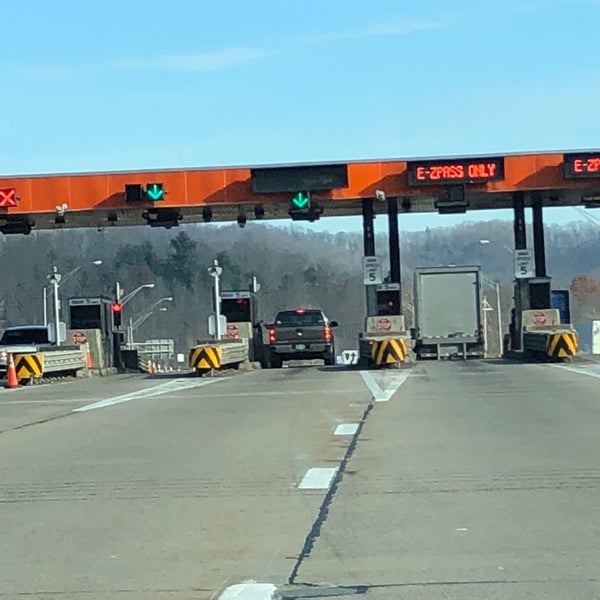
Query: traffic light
[
  {"x": 301, "y": 201},
  {"x": 388, "y": 302},
  {"x": 153, "y": 192},
  {"x": 302, "y": 209},
  {"x": 117, "y": 310}
]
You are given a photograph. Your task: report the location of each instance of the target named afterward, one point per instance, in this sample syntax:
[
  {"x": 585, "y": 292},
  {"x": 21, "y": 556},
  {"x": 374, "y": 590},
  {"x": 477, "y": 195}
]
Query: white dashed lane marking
[
  {"x": 317, "y": 478},
  {"x": 346, "y": 429}
]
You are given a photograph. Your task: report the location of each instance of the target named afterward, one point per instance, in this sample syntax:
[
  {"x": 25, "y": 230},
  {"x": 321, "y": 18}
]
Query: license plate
[{"x": 300, "y": 347}]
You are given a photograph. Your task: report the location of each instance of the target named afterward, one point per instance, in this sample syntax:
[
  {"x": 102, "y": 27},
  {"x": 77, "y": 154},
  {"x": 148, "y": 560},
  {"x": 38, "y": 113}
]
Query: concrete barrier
[{"x": 213, "y": 356}]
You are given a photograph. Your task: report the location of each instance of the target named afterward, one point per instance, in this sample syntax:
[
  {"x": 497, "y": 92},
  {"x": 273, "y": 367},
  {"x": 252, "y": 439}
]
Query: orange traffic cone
[
  {"x": 11, "y": 373},
  {"x": 88, "y": 357}
]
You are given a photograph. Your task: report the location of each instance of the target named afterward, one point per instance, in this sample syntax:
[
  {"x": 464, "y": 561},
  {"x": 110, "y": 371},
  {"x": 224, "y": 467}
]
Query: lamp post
[
  {"x": 135, "y": 323},
  {"x": 127, "y": 297},
  {"x": 63, "y": 279},
  {"x": 507, "y": 248}
]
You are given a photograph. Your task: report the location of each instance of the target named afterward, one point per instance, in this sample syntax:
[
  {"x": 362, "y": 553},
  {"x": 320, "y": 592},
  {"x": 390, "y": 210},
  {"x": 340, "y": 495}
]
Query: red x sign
[{"x": 8, "y": 197}]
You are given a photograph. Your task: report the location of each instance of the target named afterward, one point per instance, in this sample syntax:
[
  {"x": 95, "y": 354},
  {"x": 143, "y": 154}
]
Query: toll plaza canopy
[{"x": 302, "y": 191}]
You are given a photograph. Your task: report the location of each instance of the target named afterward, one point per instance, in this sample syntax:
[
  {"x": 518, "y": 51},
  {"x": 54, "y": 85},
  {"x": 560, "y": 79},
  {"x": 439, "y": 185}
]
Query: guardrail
[
  {"x": 58, "y": 361},
  {"x": 36, "y": 365}
]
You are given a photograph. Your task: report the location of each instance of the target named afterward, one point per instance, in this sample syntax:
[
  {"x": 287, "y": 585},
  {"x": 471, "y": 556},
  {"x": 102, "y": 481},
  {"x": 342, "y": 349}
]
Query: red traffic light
[{"x": 117, "y": 307}]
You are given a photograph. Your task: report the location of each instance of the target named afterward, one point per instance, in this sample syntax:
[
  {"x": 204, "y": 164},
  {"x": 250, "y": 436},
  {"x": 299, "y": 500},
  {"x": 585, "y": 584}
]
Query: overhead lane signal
[
  {"x": 8, "y": 198},
  {"x": 153, "y": 192},
  {"x": 303, "y": 209},
  {"x": 134, "y": 192},
  {"x": 301, "y": 201}
]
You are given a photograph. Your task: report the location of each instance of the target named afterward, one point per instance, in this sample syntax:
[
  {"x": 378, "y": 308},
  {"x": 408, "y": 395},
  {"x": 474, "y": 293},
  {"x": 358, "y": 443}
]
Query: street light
[
  {"x": 134, "y": 324},
  {"x": 62, "y": 279},
  {"x": 125, "y": 299},
  {"x": 507, "y": 248}
]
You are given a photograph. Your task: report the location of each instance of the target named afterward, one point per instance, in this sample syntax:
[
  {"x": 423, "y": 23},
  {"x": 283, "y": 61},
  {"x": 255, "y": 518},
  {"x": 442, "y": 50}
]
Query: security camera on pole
[{"x": 215, "y": 271}]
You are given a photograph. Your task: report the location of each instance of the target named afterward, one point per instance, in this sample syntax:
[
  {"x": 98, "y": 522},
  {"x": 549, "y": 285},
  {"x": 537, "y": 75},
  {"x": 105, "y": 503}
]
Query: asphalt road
[{"x": 472, "y": 480}]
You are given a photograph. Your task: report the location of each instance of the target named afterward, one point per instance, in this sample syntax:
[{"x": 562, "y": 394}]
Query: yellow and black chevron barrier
[
  {"x": 389, "y": 351},
  {"x": 29, "y": 366},
  {"x": 206, "y": 358},
  {"x": 562, "y": 345}
]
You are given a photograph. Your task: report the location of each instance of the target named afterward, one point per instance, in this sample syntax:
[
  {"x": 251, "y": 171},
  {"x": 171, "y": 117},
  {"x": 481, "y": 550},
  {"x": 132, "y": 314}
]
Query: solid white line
[
  {"x": 317, "y": 478},
  {"x": 346, "y": 429},
  {"x": 57, "y": 402},
  {"x": 164, "y": 388},
  {"x": 284, "y": 393},
  {"x": 249, "y": 590},
  {"x": 582, "y": 370}
]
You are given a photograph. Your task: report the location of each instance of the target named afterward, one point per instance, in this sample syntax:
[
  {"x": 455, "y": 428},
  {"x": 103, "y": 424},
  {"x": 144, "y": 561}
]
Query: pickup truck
[
  {"x": 300, "y": 334},
  {"x": 24, "y": 339}
]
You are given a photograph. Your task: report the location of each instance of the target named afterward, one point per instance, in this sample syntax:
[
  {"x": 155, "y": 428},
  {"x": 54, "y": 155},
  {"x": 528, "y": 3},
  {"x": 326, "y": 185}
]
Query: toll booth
[
  {"x": 91, "y": 318},
  {"x": 239, "y": 306},
  {"x": 388, "y": 299},
  {"x": 240, "y": 309}
]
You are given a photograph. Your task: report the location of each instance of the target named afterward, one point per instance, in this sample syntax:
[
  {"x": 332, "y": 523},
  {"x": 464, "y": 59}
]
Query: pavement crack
[
  {"x": 315, "y": 530},
  {"x": 38, "y": 422}
]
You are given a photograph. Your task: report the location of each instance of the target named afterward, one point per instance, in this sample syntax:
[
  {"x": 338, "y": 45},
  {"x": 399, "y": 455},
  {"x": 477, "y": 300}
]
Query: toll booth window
[
  {"x": 85, "y": 317},
  {"x": 236, "y": 310},
  {"x": 25, "y": 336}
]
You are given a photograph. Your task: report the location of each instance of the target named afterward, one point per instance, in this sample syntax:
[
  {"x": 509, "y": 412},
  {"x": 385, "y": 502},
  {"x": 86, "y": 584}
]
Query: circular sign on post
[
  {"x": 384, "y": 324},
  {"x": 539, "y": 319},
  {"x": 233, "y": 333},
  {"x": 79, "y": 338}
]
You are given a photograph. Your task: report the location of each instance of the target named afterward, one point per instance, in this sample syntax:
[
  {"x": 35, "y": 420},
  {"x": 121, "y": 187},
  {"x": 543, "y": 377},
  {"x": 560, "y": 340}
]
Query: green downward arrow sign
[
  {"x": 155, "y": 191},
  {"x": 300, "y": 200}
]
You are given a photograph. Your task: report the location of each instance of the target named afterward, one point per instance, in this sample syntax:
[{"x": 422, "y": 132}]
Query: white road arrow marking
[{"x": 379, "y": 394}]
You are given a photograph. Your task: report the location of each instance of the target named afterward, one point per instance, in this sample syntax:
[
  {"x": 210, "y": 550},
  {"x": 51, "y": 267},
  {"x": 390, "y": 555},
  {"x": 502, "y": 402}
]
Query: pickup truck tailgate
[{"x": 313, "y": 333}]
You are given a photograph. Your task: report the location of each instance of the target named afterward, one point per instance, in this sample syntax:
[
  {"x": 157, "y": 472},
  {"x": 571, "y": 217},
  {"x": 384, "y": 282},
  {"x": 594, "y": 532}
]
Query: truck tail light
[
  {"x": 272, "y": 336},
  {"x": 327, "y": 333}
]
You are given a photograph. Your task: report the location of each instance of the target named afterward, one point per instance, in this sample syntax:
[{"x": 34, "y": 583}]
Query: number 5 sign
[
  {"x": 523, "y": 264},
  {"x": 372, "y": 271}
]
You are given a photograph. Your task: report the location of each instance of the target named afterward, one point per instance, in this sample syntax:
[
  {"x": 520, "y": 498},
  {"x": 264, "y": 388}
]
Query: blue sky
[{"x": 135, "y": 85}]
